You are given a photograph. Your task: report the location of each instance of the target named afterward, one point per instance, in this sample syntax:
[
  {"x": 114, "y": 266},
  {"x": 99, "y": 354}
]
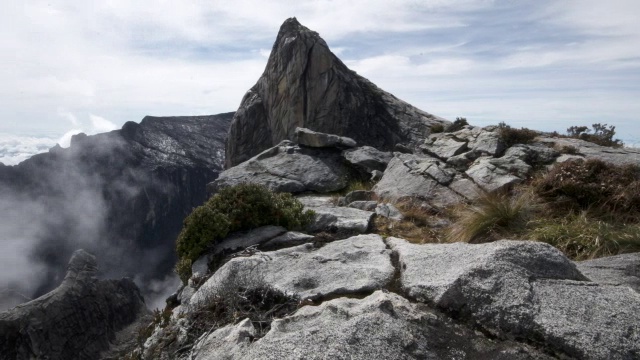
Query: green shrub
[
  {"x": 492, "y": 216},
  {"x": 512, "y": 136},
  {"x": 437, "y": 128},
  {"x": 236, "y": 208},
  {"x": 457, "y": 125},
  {"x": 602, "y": 134},
  {"x": 593, "y": 185}
]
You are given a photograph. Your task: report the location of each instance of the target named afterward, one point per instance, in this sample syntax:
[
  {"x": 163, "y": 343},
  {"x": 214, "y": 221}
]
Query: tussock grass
[
  {"x": 581, "y": 236},
  {"x": 416, "y": 227},
  {"x": 492, "y": 216}
]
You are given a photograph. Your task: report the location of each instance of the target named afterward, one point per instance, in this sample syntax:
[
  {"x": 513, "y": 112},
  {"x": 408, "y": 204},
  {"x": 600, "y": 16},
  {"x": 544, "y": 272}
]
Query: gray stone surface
[
  {"x": 337, "y": 219},
  {"x": 406, "y": 178},
  {"x": 357, "y": 195},
  {"x": 527, "y": 290},
  {"x": 312, "y": 138},
  {"x": 288, "y": 239},
  {"x": 77, "y": 320},
  {"x": 589, "y": 150},
  {"x": 363, "y": 205},
  {"x": 380, "y": 326},
  {"x": 367, "y": 158},
  {"x": 444, "y": 145},
  {"x": 244, "y": 239},
  {"x": 289, "y": 168},
  {"x": 623, "y": 270},
  {"x": 389, "y": 211},
  {"x": 305, "y": 85},
  {"x": 351, "y": 266},
  {"x": 492, "y": 174}
]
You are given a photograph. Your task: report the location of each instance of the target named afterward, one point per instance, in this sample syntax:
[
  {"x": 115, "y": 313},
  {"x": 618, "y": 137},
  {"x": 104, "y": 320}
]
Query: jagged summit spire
[{"x": 305, "y": 85}]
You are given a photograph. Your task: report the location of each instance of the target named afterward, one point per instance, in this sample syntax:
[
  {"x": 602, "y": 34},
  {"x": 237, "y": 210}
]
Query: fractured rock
[
  {"x": 409, "y": 176},
  {"x": 289, "y": 168},
  {"x": 312, "y": 138},
  {"x": 524, "y": 289},
  {"x": 352, "y": 266},
  {"x": 619, "y": 270},
  {"x": 336, "y": 219},
  {"x": 493, "y": 174},
  {"x": 367, "y": 158},
  {"x": 381, "y": 326}
]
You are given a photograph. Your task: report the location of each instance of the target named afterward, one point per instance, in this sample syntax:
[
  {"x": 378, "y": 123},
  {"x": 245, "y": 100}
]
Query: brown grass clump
[
  {"x": 592, "y": 185},
  {"x": 491, "y": 217},
  {"x": 417, "y": 226}
]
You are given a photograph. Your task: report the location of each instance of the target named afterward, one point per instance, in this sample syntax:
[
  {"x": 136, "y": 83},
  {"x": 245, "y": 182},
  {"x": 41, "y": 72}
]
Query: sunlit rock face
[{"x": 305, "y": 85}]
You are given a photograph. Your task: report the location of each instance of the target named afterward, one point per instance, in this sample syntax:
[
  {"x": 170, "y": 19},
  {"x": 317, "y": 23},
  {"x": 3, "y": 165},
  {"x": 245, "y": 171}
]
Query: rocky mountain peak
[
  {"x": 82, "y": 265},
  {"x": 305, "y": 85}
]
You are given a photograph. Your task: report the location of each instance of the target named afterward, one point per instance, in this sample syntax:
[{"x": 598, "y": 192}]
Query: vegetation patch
[
  {"x": 241, "y": 297},
  {"x": 512, "y": 136},
  {"x": 418, "y": 226},
  {"x": 492, "y": 216},
  {"x": 601, "y": 134},
  {"x": 458, "y": 124},
  {"x": 236, "y": 208}
]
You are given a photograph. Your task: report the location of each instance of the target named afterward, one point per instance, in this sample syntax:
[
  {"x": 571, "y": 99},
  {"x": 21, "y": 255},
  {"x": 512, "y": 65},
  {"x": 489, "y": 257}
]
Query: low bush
[
  {"x": 602, "y": 134},
  {"x": 458, "y": 124},
  {"x": 592, "y": 185},
  {"x": 437, "y": 128},
  {"x": 512, "y": 136},
  {"x": 236, "y": 208},
  {"x": 492, "y": 216}
]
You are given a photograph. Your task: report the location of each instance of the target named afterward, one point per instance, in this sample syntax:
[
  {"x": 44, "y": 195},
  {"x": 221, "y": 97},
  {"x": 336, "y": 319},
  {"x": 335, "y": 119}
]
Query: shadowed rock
[
  {"x": 305, "y": 85},
  {"x": 77, "y": 320}
]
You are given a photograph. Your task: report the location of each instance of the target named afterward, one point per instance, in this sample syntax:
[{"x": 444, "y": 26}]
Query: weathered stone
[
  {"x": 352, "y": 266},
  {"x": 288, "y": 239},
  {"x": 444, "y": 146},
  {"x": 341, "y": 220},
  {"x": 363, "y": 205},
  {"x": 312, "y": 138},
  {"x": 487, "y": 142},
  {"x": 526, "y": 290},
  {"x": 381, "y": 326},
  {"x": 590, "y": 150},
  {"x": 244, "y": 239},
  {"x": 465, "y": 187},
  {"x": 367, "y": 158},
  {"x": 229, "y": 342},
  {"x": 619, "y": 270},
  {"x": 389, "y": 211},
  {"x": 76, "y": 320},
  {"x": 305, "y": 85},
  {"x": 493, "y": 174},
  {"x": 403, "y": 179},
  {"x": 356, "y": 195},
  {"x": 289, "y": 168}
]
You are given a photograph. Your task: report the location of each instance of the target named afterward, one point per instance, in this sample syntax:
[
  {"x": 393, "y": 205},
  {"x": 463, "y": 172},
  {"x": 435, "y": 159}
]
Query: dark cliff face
[
  {"x": 122, "y": 194},
  {"x": 305, "y": 85},
  {"x": 77, "y": 320}
]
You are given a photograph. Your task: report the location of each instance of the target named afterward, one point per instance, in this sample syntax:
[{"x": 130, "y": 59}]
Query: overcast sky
[{"x": 71, "y": 66}]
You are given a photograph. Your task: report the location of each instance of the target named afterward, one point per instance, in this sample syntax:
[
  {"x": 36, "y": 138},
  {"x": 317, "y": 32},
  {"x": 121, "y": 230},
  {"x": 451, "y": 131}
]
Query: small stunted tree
[{"x": 602, "y": 134}]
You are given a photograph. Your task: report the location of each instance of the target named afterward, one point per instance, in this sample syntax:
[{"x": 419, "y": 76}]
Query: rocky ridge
[{"x": 116, "y": 193}]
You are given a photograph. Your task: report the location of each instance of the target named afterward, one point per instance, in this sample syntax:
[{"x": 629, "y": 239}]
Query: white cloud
[
  {"x": 15, "y": 149},
  {"x": 100, "y": 124}
]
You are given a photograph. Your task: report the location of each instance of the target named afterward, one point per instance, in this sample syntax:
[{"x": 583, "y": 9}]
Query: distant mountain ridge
[{"x": 120, "y": 193}]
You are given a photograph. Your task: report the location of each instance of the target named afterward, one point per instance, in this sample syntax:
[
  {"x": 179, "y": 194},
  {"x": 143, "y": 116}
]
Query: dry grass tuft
[{"x": 491, "y": 217}]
